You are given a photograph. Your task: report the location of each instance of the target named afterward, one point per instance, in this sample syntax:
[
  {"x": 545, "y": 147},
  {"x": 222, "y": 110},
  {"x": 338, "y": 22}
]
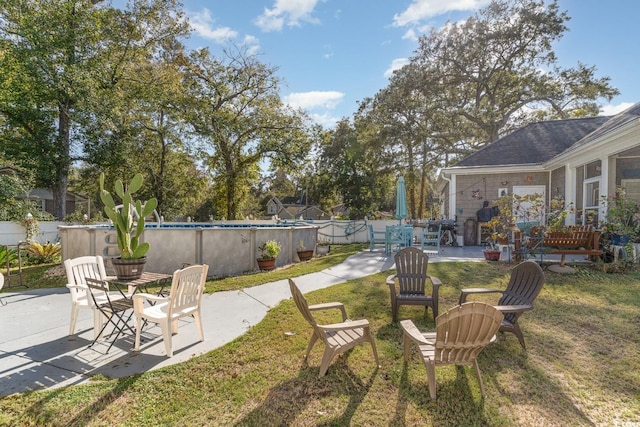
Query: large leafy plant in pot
[{"x": 130, "y": 264}]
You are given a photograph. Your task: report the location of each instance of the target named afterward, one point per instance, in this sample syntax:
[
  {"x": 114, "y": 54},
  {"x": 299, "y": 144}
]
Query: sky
[{"x": 331, "y": 54}]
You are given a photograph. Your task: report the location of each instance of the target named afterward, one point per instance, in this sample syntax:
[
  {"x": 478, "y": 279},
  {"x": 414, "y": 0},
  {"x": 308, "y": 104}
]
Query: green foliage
[
  {"x": 8, "y": 256},
  {"x": 80, "y": 217},
  {"x": 67, "y": 70},
  {"x": 269, "y": 249},
  {"x": 236, "y": 112},
  {"x": 623, "y": 214},
  {"x": 346, "y": 169},
  {"x": 128, "y": 230},
  {"x": 43, "y": 254}
]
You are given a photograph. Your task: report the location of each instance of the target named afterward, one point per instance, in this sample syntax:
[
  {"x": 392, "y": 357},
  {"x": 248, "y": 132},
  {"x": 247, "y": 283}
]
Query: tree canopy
[{"x": 96, "y": 88}]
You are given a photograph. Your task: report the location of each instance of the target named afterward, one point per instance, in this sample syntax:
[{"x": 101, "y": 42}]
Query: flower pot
[
  {"x": 322, "y": 250},
  {"x": 266, "y": 264},
  {"x": 491, "y": 255},
  {"x": 128, "y": 269},
  {"x": 305, "y": 255}
]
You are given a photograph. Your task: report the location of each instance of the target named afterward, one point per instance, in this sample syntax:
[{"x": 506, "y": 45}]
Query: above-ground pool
[{"x": 228, "y": 248}]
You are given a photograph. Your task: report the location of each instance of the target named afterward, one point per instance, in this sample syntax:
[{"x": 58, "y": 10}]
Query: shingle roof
[
  {"x": 534, "y": 143},
  {"x": 630, "y": 114}
]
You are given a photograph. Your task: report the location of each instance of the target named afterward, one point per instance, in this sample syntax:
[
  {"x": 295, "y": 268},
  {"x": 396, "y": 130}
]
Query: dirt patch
[{"x": 57, "y": 271}]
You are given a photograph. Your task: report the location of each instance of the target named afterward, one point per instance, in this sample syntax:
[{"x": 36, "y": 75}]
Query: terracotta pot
[
  {"x": 491, "y": 255},
  {"x": 305, "y": 255},
  {"x": 128, "y": 269},
  {"x": 266, "y": 264}
]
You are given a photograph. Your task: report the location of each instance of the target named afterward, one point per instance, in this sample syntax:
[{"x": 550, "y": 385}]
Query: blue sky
[{"x": 330, "y": 54}]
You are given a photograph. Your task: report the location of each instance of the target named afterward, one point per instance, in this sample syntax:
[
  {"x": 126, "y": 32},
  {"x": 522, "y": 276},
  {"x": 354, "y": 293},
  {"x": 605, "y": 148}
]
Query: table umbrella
[{"x": 401, "y": 200}]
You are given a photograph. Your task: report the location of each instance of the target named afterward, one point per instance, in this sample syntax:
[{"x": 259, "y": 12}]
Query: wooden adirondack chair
[
  {"x": 411, "y": 275},
  {"x": 461, "y": 334},
  {"x": 524, "y": 286},
  {"x": 337, "y": 337}
]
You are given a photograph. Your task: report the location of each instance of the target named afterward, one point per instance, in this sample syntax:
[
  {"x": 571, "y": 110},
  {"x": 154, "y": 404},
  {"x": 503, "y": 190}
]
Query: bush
[{"x": 43, "y": 254}]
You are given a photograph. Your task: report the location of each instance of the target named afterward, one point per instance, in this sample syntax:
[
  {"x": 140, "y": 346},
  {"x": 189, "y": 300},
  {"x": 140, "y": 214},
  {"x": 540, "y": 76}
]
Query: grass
[
  {"x": 337, "y": 255},
  {"x": 581, "y": 367}
]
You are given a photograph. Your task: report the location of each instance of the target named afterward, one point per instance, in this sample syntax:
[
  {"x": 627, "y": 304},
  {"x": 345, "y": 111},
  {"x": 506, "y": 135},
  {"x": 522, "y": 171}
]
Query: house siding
[
  {"x": 557, "y": 189},
  {"x": 488, "y": 186}
]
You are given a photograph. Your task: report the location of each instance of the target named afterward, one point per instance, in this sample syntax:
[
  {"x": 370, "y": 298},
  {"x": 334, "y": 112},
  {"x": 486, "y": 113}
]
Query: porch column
[
  {"x": 453, "y": 187},
  {"x": 604, "y": 184},
  {"x": 570, "y": 192}
]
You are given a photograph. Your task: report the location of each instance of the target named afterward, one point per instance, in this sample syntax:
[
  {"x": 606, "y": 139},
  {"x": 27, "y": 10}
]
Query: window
[
  {"x": 591, "y": 201},
  {"x": 632, "y": 189}
]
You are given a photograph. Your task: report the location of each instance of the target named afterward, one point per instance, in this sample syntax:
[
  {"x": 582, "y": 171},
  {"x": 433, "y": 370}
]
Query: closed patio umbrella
[{"x": 401, "y": 200}]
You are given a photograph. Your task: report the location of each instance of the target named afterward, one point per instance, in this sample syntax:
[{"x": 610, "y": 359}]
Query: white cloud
[
  {"x": 203, "y": 25},
  {"x": 410, "y": 34},
  {"x": 326, "y": 120},
  {"x": 252, "y": 43},
  {"x": 289, "y": 12},
  {"x": 396, "y": 64},
  {"x": 610, "y": 110},
  {"x": 420, "y": 10},
  {"x": 314, "y": 99}
]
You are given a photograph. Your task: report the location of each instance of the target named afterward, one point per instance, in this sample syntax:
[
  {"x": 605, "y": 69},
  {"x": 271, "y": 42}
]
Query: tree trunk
[{"x": 62, "y": 163}]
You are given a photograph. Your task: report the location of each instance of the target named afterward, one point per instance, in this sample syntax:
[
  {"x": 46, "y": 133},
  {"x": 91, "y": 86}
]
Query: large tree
[
  {"x": 238, "y": 117},
  {"x": 345, "y": 168},
  {"x": 62, "y": 60},
  {"x": 499, "y": 64}
]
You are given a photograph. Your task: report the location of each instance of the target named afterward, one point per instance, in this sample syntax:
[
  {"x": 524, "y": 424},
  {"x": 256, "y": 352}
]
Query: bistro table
[{"x": 146, "y": 280}]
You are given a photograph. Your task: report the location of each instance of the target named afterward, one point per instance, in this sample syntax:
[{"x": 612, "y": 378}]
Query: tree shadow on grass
[
  {"x": 455, "y": 404},
  {"x": 93, "y": 408},
  {"x": 287, "y": 400}
]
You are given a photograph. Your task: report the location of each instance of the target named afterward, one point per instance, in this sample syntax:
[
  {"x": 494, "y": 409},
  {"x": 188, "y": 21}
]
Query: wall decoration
[{"x": 503, "y": 192}]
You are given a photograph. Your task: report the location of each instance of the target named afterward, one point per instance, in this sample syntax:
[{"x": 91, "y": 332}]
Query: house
[
  {"x": 44, "y": 197},
  {"x": 294, "y": 208},
  {"x": 575, "y": 160}
]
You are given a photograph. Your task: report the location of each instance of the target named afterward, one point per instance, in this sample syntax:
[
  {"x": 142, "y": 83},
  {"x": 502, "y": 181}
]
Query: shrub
[{"x": 43, "y": 254}]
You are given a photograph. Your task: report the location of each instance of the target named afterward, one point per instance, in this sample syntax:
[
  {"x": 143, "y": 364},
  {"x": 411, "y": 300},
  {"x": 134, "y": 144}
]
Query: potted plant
[
  {"x": 492, "y": 253},
  {"x": 322, "y": 247},
  {"x": 303, "y": 253},
  {"x": 269, "y": 250},
  {"x": 130, "y": 264},
  {"x": 500, "y": 224},
  {"x": 622, "y": 219}
]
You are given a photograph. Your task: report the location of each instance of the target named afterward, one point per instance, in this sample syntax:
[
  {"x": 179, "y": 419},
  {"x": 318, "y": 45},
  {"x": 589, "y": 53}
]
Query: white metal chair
[
  {"x": 78, "y": 270},
  {"x": 184, "y": 299}
]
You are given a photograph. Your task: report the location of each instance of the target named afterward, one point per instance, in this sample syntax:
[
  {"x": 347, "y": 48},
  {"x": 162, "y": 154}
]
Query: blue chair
[
  {"x": 398, "y": 237},
  {"x": 376, "y": 237},
  {"x": 431, "y": 239}
]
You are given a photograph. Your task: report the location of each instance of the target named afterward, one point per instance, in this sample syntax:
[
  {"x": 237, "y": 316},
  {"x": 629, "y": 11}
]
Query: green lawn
[{"x": 581, "y": 367}]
